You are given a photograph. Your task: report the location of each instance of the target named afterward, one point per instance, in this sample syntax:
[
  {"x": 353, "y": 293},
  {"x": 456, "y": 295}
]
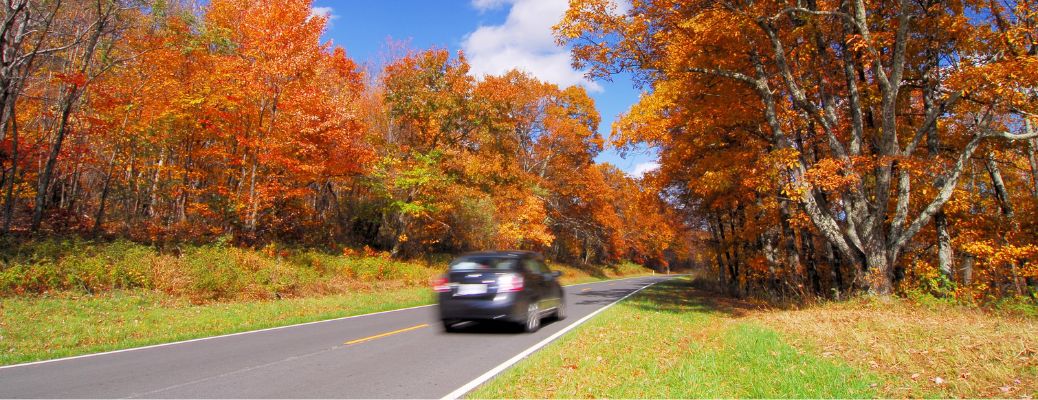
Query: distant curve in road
[{"x": 397, "y": 354}]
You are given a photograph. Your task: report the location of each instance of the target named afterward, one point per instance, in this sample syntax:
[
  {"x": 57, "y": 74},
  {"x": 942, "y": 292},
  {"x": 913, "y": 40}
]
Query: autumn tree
[
  {"x": 846, "y": 97},
  {"x": 172, "y": 121}
]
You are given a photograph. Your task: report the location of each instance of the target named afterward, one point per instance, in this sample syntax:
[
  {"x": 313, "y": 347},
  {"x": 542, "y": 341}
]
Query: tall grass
[
  {"x": 204, "y": 273},
  {"x": 221, "y": 272}
]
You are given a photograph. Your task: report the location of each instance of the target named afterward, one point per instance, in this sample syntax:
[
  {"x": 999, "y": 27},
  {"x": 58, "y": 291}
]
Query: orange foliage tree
[
  {"x": 825, "y": 145},
  {"x": 174, "y": 122}
]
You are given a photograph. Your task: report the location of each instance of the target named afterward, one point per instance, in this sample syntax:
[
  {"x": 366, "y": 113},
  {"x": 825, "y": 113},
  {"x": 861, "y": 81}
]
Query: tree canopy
[
  {"x": 166, "y": 122},
  {"x": 836, "y": 145}
]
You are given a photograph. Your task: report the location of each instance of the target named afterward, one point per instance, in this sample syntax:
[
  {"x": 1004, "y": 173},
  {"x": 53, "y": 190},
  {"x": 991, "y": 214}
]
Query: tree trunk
[
  {"x": 1007, "y": 211},
  {"x": 253, "y": 208},
  {"x": 1000, "y": 188},
  {"x": 73, "y": 94},
  {"x": 879, "y": 275},
  {"x": 99, "y": 218},
  {"x": 833, "y": 256},
  {"x": 967, "y": 269},
  {"x": 944, "y": 248},
  {"x": 1032, "y": 158},
  {"x": 153, "y": 191},
  {"x": 945, "y": 261},
  {"x": 794, "y": 265},
  {"x": 716, "y": 239},
  {"x": 52, "y": 159},
  {"x": 9, "y": 191}
]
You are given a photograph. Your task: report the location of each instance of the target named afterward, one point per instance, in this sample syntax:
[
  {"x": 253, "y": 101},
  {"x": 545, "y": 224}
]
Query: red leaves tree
[{"x": 174, "y": 123}]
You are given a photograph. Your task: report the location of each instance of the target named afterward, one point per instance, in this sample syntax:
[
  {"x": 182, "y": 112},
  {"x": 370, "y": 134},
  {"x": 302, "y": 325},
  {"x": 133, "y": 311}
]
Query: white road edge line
[
  {"x": 242, "y": 333},
  {"x": 614, "y": 280},
  {"x": 457, "y": 393}
]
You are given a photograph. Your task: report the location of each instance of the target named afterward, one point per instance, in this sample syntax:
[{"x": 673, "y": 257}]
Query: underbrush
[
  {"x": 214, "y": 272},
  {"x": 221, "y": 272},
  {"x": 573, "y": 274}
]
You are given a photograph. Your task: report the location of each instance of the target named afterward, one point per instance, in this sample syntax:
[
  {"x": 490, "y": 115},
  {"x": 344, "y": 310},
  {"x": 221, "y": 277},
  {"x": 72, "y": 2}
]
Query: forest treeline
[
  {"x": 807, "y": 148},
  {"x": 826, "y": 147},
  {"x": 167, "y": 122}
]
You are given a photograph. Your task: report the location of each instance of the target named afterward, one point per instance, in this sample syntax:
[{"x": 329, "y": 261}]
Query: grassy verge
[
  {"x": 668, "y": 342},
  {"x": 674, "y": 341},
  {"x": 48, "y": 327},
  {"x": 67, "y": 324}
]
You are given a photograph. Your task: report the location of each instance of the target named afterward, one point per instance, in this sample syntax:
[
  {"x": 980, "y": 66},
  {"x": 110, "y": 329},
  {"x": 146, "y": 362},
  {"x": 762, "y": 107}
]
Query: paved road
[{"x": 308, "y": 361}]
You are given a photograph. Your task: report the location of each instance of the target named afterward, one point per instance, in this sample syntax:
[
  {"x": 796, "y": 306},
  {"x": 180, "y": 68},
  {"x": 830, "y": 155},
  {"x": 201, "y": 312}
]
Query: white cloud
[
  {"x": 327, "y": 12},
  {"x": 525, "y": 42},
  {"x": 642, "y": 168},
  {"x": 485, "y": 5}
]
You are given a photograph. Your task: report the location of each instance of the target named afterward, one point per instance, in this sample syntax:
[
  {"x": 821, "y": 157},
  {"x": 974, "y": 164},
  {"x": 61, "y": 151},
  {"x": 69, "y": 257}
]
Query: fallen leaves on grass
[{"x": 920, "y": 351}]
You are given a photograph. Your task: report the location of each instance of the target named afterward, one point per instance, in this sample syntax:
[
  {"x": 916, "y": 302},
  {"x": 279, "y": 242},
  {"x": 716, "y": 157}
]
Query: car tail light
[
  {"x": 440, "y": 284},
  {"x": 510, "y": 283}
]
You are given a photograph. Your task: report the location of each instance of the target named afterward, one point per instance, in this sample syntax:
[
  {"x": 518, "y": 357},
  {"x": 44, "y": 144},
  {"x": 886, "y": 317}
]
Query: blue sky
[{"x": 496, "y": 35}]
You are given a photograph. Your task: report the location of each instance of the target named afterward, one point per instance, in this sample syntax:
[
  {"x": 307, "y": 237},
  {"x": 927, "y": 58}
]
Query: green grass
[
  {"x": 58, "y": 326},
  {"x": 667, "y": 343}
]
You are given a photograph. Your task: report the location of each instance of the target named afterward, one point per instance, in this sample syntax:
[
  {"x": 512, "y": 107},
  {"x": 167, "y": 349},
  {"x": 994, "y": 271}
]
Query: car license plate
[{"x": 466, "y": 290}]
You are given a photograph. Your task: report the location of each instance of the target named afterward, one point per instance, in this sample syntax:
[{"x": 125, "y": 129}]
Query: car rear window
[{"x": 483, "y": 263}]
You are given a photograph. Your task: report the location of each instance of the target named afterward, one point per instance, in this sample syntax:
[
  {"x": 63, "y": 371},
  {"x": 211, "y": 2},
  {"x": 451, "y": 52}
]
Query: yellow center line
[{"x": 382, "y": 335}]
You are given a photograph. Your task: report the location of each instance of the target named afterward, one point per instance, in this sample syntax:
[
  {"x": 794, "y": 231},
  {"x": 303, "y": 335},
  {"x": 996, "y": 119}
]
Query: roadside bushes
[
  {"x": 36, "y": 267},
  {"x": 221, "y": 271},
  {"x": 628, "y": 268},
  {"x": 201, "y": 273}
]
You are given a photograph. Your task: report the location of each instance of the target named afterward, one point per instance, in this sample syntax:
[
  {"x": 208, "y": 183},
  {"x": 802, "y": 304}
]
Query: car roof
[{"x": 503, "y": 254}]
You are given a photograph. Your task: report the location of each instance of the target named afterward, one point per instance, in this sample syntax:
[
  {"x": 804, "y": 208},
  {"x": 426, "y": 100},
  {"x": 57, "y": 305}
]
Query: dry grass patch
[{"x": 921, "y": 350}]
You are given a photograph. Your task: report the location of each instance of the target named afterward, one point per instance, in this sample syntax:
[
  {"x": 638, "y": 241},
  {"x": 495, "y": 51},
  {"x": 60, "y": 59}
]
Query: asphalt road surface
[{"x": 396, "y": 354}]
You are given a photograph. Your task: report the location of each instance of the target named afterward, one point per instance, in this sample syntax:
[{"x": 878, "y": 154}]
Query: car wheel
[
  {"x": 533, "y": 317},
  {"x": 560, "y": 310},
  {"x": 448, "y": 325}
]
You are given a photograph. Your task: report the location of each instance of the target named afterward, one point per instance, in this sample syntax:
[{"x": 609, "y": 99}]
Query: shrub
[
  {"x": 48, "y": 265},
  {"x": 218, "y": 271}
]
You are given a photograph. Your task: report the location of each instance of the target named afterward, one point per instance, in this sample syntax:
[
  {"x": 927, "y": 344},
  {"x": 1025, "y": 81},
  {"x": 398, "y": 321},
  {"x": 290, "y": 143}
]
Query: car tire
[
  {"x": 533, "y": 318},
  {"x": 448, "y": 325},
  {"x": 560, "y": 310}
]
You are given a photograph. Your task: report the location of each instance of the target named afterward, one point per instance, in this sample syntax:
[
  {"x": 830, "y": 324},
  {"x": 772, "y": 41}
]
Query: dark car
[{"x": 512, "y": 286}]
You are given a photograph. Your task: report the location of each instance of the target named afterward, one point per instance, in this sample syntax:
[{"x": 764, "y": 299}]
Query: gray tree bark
[{"x": 71, "y": 95}]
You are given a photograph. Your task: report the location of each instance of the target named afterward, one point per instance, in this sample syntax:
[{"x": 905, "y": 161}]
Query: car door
[
  {"x": 537, "y": 283},
  {"x": 552, "y": 288}
]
